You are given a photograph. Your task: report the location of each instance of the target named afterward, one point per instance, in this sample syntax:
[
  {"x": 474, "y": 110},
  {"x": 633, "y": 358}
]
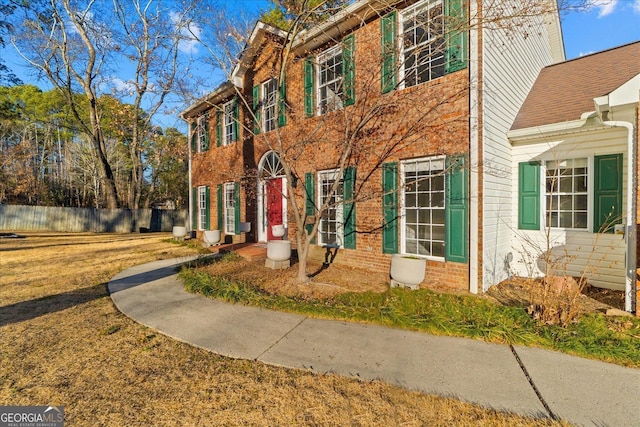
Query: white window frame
[
  {"x": 431, "y": 220},
  {"x": 269, "y": 104},
  {"x": 434, "y": 45},
  {"x": 558, "y": 193},
  {"x": 227, "y": 123},
  {"x": 229, "y": 207},
  {"x": 331, "y": 226},
  {"x": 334, "y": 94},
  {"x": 202, "y": 207},
  {"x": 201, "y": 129}
]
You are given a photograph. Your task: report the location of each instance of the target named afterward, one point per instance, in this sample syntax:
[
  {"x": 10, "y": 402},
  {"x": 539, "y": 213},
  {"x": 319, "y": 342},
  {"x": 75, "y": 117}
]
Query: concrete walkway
[{"x": 523, "y": 380}]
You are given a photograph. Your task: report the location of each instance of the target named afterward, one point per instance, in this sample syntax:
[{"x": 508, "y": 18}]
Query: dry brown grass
[{"x": 64, "y": 343}]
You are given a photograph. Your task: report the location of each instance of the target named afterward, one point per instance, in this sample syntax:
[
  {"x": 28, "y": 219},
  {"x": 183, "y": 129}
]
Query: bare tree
[
  {"x": 369, "y": 129},
  {"x": 79, "y": 46}
]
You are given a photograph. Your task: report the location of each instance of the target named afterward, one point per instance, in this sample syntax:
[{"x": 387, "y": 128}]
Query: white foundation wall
[
  {"x": 512, "y": 60},
  {"x": 582, "y": 253}
]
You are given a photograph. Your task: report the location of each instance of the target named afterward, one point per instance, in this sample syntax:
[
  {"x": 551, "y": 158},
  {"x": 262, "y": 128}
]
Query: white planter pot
[
  {"x": 211, "y": 237},
  {"x": 179, "y": 232},
  {"x": 407, "y": 271},
  {"x": 279, "y": 250},
  {"x": 277, "y": 230}
]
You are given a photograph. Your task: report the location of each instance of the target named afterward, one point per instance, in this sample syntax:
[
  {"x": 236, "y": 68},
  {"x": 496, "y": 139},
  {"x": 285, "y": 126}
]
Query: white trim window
[
  {"x": 227, "y": 123},
  {"x": 567, "y": 193},
  {"x": 269, "y": 98},
  {"x": 423, "y": 42},
  {"x": 202, "y": 207},
  {"x": 229, "y": 208},
  {"x": 330, "y": 75},
  {"x": 423, "y": 207},
  {"x": 331, "y": 227},
  {"x": 202, "y": 134}
]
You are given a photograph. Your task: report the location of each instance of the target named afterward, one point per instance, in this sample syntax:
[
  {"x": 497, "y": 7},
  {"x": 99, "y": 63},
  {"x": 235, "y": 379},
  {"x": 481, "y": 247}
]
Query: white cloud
[
  {"x": 606, "y": 6},
  {"x": 188, "y": 43},
  {"x": 122, "y": 86},
  {"x": 636, "y": 6}
]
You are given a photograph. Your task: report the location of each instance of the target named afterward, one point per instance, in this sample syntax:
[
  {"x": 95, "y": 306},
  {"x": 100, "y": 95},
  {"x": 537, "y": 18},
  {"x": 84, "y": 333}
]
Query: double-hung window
[
  {"x": 566, "y": 193},
  {"x": 423, "y": 43},
  {"x": 269, "y": 98},
  {"x": 582, "y": 193},
  {"x": 330, "y": 80},
  {"x": 331, "y": 229},
  {"x": 228, "y": 124},
  {"x": 423, "y": 206},
  {"x": 202, "y": 208},
  {"x": 229, "y": 208},
  {"x": 203, "y": 138}
]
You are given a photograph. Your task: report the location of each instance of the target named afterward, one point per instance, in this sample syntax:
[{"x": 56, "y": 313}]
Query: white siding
[
  {"x": 598, "y": 257},
  {"x": 511, "y": 63}
]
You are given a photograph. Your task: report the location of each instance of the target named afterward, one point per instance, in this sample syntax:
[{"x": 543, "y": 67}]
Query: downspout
[{"x": 630, "y": 234}]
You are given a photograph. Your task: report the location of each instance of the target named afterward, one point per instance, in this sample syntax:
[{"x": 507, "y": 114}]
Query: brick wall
[{"x": 425, "y": 120}]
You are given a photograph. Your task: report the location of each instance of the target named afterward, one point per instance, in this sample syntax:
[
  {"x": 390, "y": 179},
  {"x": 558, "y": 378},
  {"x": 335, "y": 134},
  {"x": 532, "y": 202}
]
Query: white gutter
[{"x": 630, "y": 235}]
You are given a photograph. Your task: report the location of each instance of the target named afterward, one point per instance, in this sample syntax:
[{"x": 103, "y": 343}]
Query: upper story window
[
  {"x": 414, "y": 46},
  {"x": 202, "y": 132},
  {"x": 269, "y": 98},
  {"x": 228, "y": 124},
  {"x": 329, "y": 79},
  {"x": 423, "y": 43}
]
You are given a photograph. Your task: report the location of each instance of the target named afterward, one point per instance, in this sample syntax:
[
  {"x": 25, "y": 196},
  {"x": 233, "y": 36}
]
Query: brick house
[
  {"x": 574, "y": 157},
  {"x": 429, "y": 171}
]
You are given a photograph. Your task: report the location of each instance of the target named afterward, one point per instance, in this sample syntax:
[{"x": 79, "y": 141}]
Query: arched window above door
[{"x": 270, "y": 166}]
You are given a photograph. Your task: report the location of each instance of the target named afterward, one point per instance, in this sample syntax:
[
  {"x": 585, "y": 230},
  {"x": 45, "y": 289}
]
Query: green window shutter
[
  {"x": 282, "y": 103},
  {"x": 456, "y": 35},
  {"x": 194, "y": 137},
  {"x": 309, "y": 88},
  {"x": 236, "y": 119},
  {"x": 236, "y": 207},
  {"x": 194, "y": 208},
  {"x": 607, "y": 192},
  {"x": 218, "y": 128},
  {"x": 207, "y": 221},
  {"x": 256, "y": 109},
  {"x": 390, "y": 208},
  {"x": 529, "y": 196},
  {"x": 310, "y": 205},
  {"x": 219, "y": 206},
  {"x": 457, "y": 210},
  {"x": 388, "y": 76},
  {"x": 348, "y": 52},
  {"x": 349, "y": 207}
]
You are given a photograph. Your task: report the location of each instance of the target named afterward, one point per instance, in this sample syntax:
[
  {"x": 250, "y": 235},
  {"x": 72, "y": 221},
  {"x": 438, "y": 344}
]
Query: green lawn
[{"x": 595, "y": 336}]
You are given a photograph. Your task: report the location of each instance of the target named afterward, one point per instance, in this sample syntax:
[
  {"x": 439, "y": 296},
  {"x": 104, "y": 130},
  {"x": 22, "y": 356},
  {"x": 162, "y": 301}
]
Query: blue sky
[{"x": 608, "y": 24}]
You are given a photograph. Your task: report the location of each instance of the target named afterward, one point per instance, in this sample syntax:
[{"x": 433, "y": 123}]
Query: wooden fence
[{"x": 47, "y": 218}]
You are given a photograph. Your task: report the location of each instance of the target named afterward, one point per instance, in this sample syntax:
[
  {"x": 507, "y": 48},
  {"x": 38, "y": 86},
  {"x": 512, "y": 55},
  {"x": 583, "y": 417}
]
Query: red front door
[{"x": 274, "y": 205}]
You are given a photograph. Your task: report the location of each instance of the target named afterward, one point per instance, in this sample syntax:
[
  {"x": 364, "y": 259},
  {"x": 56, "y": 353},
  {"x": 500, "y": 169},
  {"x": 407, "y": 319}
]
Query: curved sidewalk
[{"x": 523, "y": 380}]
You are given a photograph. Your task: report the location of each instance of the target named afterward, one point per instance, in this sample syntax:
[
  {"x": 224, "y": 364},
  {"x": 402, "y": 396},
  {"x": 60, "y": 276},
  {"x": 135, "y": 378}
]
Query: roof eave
[
  {"x": 223, "y": 91},
  {"x": 551, "y": 129}
]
